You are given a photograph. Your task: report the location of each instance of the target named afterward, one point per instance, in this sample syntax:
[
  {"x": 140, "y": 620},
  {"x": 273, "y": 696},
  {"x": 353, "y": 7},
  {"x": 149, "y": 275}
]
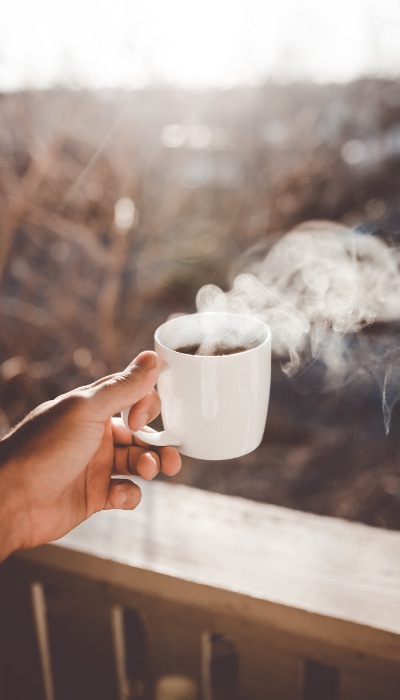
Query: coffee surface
[{"x": 215, "y": 350}]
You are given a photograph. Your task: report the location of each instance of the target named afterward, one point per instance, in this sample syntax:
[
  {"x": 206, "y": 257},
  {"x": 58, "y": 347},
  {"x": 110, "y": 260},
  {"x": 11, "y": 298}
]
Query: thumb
[{"x": 116, "y": 392}]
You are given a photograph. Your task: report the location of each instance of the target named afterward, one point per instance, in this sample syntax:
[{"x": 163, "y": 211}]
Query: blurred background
[{"x": 147, "y": 149}]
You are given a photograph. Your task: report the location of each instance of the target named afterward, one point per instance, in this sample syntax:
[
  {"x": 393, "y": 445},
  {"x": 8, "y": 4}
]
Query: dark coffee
[{"x": 215, "y": 350}]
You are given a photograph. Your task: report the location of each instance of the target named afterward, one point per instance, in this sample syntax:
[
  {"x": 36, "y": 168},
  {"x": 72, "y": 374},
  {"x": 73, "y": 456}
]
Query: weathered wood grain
[{"x": 315, "y": 577}]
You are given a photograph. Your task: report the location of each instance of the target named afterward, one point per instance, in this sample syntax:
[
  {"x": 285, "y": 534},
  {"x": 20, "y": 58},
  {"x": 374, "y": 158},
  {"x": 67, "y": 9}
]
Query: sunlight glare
[
  {"x": 124, "y": 214},
  {"x": 130, "y": 43}
]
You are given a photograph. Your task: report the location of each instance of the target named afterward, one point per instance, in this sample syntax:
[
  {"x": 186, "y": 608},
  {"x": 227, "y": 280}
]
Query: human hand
[{"x": 56, "y": 465}]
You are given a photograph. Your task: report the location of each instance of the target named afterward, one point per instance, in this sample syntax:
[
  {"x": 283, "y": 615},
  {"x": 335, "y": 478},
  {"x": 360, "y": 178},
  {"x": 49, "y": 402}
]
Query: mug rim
[{"x": 176, "y": 319}]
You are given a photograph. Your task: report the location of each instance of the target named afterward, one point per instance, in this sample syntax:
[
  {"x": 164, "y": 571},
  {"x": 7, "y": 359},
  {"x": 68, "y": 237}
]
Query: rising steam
[{"x": 318, "y": 284}]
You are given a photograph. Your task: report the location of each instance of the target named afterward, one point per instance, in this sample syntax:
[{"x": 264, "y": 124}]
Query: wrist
[{"x": 12, "y": 512}]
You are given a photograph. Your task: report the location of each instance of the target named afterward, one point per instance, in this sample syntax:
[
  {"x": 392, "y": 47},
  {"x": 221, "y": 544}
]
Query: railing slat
[{"x": 42, "y": 633}]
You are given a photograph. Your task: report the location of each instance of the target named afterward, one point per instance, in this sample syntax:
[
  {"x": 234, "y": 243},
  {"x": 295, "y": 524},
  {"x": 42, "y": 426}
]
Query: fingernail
[
  {"x": 143, "y": 419},
  {"x": 123, "y": 498},
  {"x": 156, "y": 469},
  {"x": 146, "y": 360}
]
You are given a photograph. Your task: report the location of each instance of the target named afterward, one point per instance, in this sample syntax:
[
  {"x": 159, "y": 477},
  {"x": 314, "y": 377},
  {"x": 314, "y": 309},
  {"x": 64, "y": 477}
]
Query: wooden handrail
[{"x": 298, "y": 570}]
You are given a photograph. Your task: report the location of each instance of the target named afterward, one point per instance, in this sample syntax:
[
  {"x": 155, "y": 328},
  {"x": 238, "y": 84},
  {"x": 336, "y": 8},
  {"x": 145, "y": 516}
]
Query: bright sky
[{"x": 131, "y": 43}]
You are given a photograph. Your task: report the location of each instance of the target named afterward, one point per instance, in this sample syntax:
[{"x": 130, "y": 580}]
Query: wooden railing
[{"x": 246, "y": 601}]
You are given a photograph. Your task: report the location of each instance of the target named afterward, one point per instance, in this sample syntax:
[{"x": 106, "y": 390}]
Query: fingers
[
  {"x": 140, "y": 461},
  {"x": 144, "y": 411},
  {"x": 135, "y": 460},
  {"x": 115, "y": 392},
  {"x": 170, "y": 459},
  {"x": 133, "y": 457},
  {"x": 123, "y": 494}
]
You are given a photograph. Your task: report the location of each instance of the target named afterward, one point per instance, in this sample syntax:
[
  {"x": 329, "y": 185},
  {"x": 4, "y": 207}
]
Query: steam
[{"x": 316, "y": 286}]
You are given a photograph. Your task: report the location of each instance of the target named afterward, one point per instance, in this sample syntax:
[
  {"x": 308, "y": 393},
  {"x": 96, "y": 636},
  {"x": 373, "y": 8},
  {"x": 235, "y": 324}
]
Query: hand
[{"x": 56, "y": 465}]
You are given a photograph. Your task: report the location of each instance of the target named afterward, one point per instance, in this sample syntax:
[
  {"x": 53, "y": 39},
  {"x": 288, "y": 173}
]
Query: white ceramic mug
[{"x": 212, "y": 406}]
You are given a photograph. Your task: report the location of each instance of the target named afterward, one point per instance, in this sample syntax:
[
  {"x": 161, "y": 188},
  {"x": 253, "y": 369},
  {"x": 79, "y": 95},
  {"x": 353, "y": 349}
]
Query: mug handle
[{"x": 157, "y": 439}]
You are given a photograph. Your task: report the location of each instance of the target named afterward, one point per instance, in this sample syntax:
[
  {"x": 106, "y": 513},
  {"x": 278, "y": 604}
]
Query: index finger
[{"x": 126, "y": 388}]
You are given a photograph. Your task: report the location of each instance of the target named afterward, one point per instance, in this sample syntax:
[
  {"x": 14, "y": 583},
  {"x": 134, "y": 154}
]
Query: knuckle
[
  {"x": 140, "y": 381},
  {"x": 134, "y": 377}
]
